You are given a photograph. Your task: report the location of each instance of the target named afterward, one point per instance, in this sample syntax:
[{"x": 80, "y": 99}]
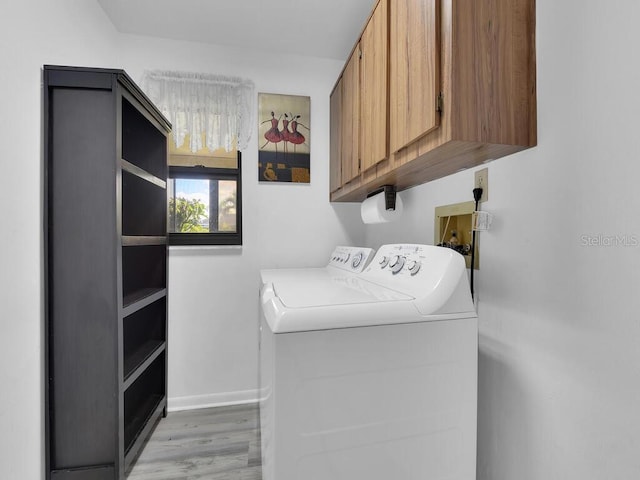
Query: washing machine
[{"x": 371, "y": 375}]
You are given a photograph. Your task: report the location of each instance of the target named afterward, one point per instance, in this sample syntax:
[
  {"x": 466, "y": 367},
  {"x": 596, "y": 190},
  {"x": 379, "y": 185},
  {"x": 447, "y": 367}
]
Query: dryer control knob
[
  {"x": 384, "y": 261},
  {"x": 396, "y": 264},
  {"x": 356, "y": 260},
  {"x": 414, "y": 266}
]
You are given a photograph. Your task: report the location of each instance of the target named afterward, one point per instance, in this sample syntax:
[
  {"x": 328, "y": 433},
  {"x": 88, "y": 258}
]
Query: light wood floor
[{"x": 220, "y": 443}]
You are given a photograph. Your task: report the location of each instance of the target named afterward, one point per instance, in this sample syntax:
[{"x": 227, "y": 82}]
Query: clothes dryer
[{"x": 344, "y": 261}]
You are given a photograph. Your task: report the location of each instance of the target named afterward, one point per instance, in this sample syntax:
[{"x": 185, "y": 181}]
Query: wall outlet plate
[{"x": 482, "y": 181}]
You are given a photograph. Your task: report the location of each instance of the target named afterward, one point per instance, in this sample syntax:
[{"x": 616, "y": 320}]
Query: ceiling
[{"x": 318, "y": 28}]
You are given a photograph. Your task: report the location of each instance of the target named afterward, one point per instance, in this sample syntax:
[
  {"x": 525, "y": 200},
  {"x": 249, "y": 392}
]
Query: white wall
[
  {"x": 559, "y": 365},
  {"x": 33, "y": 33},
  {"x": 213, "y": 302}
]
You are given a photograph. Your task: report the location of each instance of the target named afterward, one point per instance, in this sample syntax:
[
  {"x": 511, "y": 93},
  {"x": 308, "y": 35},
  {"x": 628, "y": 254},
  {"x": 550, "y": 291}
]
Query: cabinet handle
[{"x": 440, "y": 103}]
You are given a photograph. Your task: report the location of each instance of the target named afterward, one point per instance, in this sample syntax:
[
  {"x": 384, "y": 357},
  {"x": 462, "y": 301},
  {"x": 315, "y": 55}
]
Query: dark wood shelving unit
[{"x": 106, "y": 271}]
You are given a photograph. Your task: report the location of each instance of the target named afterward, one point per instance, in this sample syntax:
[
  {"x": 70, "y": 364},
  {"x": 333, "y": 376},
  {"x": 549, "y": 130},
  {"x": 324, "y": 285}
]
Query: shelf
[
  {"x": 139, "y": 299},
  {"x": 142, "y": 240},
  {"x": 159, "y": 403},
  {"x": 98, "y": 472},
  {"x": 144, "y": 207},
  {"x": 144, "y": 335},
  {"x": 143, "y": 145},
  {"x": 143, "y": 268},
  {"x": 138, "y": 362},
  {"x": 142, "y": 400},
  {"x": 141, "y": 420},
  {"x": 142, "y": 174}
]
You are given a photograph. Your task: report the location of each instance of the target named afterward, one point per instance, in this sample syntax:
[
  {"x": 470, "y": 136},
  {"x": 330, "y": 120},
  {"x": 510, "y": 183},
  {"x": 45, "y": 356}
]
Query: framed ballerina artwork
[{"x": 284, "y": 136}]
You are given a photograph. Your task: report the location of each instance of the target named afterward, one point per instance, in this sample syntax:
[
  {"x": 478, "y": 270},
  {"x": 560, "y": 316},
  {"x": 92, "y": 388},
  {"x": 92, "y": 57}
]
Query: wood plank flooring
[{"x": 221, "y": 443}]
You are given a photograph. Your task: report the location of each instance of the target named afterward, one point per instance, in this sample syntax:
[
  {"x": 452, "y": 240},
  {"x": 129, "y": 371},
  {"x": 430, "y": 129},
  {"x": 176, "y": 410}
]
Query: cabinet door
[
  {"x": 414, "y": 70},
  {"x": 335, "y": 149},
  {"x": 350, "y": 120},
  {"x": 374, "y": 66}
]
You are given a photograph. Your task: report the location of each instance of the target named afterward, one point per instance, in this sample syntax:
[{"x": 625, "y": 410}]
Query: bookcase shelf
[
  {"x": 144, "y": 338},
  {"x": 141, "y": 398},
  {"x": 144, "y": 144},
  {"x": 142, "y": 174},
  {"x": 143, "y": 206},
  {"x": 106, "y": 271},
  {"x": 141, "y": 298},
  {"x": 140, "y": 240},
  {"x": 140, "y": 360},
  {"x": 144, "y": 270}
]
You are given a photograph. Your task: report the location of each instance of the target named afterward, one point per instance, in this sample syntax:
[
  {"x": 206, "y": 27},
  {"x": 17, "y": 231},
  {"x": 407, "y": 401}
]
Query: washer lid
[
  {"x": 339, "y": 307},
  {"x": 336, "y": 290}
]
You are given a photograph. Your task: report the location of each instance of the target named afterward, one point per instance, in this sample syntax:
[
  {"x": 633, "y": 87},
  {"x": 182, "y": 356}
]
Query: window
[
  {"x": 207, "y": 112},
  {"x": 204, "y": 197}
]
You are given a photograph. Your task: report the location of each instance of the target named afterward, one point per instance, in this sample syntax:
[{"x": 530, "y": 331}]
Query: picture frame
[{"x": 284, "y": 138}]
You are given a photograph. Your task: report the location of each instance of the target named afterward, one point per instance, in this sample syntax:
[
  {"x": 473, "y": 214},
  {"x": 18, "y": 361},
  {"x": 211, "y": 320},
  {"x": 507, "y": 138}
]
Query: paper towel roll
[{"x": 373, "y": 209}]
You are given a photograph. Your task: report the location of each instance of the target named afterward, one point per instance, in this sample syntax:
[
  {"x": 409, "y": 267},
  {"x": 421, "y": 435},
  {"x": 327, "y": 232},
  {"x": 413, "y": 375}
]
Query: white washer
[{"x": 373, "y": 375}]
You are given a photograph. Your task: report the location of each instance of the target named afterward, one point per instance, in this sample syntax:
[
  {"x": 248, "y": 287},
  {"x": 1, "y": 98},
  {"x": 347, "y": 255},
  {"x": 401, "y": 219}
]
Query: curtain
[{"x": 217, "y": 106}]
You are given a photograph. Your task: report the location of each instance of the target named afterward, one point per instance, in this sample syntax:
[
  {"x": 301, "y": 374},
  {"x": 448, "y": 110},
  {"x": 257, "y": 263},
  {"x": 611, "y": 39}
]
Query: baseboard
[{"x": 241, "y": 397}]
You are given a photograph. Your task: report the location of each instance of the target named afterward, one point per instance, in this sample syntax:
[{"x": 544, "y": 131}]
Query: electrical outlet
[{"x": 482, "y": 181}]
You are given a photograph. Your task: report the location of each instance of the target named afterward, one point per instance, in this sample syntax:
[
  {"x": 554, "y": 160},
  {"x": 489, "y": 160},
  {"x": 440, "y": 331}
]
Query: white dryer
[
  {"x": 372, "y": 375},
  {"x": 344, "y": 261}
]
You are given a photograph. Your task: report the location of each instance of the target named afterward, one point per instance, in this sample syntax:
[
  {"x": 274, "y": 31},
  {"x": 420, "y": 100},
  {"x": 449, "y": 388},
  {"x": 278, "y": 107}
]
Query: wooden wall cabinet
[
  {"x": 414, "y": 71},
  {"x": 359, "y": 105},
  {"x": 106, "y": 271},
  {"x": 350, "y": 118},
  {"x": 461, "y": 91},
  {"x": 335, "y": 148},
  {"x": 374, "y": 84}
]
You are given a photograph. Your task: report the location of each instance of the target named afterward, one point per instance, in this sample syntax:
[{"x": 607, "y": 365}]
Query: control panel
[
  {"x": 413, "y": 269},
  {"x": 352, "y": 259},
  {"x": 401, "y": 259}
]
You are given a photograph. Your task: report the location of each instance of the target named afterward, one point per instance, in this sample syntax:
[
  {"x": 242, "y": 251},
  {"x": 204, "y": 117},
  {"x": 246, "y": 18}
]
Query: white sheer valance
[{"x": 217, "y": 107}]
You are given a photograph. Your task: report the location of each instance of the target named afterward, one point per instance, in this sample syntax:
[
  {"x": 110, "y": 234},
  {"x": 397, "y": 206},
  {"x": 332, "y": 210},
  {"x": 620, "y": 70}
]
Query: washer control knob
[
  {"x": 357, "y": 259},
  {"x": 396, "y": 263},
  {"x": 414, "y": 266},
  {"x": 384, "y": 261}
]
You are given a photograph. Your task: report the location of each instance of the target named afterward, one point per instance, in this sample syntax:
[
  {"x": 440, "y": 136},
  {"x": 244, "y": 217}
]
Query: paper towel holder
[{"x": 389, "y": 196}]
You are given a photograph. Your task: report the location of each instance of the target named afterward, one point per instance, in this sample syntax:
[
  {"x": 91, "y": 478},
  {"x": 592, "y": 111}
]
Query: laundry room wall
[
  {"x": 213, "y": 292},
  {"x": 33, "y": 33},
  {"x": 558, "y": 303}
]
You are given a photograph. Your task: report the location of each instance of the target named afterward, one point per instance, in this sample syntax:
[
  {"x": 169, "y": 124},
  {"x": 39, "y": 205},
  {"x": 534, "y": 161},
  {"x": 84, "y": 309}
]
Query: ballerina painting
[{"x": 284, "y": 138}]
